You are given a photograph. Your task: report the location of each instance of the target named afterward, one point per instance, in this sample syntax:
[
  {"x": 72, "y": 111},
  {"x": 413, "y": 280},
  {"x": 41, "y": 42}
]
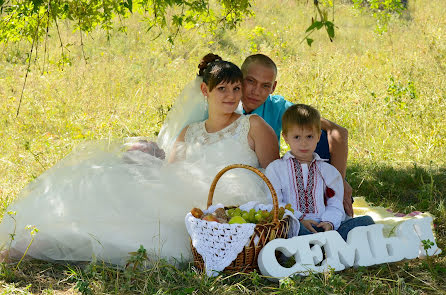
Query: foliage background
[{"x": 387, "y": 89}]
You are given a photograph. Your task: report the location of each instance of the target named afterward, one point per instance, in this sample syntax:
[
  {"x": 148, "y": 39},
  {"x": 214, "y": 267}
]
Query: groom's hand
[{"x": 348, "y": 205}]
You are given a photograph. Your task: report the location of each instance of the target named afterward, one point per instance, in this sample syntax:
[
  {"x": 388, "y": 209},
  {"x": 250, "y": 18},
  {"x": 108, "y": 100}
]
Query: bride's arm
[
  {"x": 263, "y": 141},
  {"x": 177, "y": 152}
]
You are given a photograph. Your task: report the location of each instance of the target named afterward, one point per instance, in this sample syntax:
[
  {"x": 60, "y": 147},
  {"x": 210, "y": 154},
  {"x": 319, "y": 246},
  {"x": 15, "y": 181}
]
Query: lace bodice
[
  {"x": 236, "y": 132},
  {"x": 196, "y": 132}
]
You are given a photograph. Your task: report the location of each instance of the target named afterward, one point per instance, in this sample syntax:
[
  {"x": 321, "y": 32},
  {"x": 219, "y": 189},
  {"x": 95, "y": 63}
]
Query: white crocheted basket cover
[{"x": 218, "y": 243}]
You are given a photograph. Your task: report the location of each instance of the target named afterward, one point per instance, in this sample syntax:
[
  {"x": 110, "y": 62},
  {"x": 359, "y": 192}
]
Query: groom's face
[{"x": 258, "y": 83}]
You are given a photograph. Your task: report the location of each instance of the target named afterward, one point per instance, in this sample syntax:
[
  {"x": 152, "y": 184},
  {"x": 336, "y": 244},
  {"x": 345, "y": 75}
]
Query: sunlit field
[{"x": 388, "y": 90}]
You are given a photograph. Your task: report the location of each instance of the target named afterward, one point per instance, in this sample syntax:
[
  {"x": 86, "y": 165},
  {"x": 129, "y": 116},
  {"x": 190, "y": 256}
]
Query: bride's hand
[{"x": 148, "y": 147}]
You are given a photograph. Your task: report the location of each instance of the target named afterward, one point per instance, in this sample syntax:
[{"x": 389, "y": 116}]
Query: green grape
[
  {"x": 267, "y": 216},
  {"x": 230, "y": 212},
  {"x": 265, "y": 213},
  {"x": 245, "y": 216},
  {"x": 258, "y": 217},
  {"x": 288, "y": 207},
  {"x": 252, "y": 215}
]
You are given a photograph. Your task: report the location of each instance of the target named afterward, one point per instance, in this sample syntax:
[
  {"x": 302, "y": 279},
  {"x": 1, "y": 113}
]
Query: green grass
[{"x": 389, "y": 91}]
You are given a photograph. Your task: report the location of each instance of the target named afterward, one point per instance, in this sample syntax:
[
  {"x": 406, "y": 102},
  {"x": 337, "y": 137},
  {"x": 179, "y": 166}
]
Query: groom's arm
[
  {"x": 338, "y": 147},
  {"x": 338, "y": 144}
]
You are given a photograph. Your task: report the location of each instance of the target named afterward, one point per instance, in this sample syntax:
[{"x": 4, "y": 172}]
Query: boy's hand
[
  {"x": 325, "y": 225},
  {"x": 308, "y": 223}
]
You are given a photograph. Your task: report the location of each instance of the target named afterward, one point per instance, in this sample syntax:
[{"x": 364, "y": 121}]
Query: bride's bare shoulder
[
  {"x": 263, "y": 140},
  {"x": 257, "y": 122}
]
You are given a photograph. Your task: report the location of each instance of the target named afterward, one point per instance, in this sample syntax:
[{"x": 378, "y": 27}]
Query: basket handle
[{"x": 259, "y": 173}]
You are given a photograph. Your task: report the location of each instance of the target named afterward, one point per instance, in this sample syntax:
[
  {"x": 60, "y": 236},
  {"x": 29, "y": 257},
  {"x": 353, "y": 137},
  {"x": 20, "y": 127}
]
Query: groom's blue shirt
[{"x": 272, "y": 111}]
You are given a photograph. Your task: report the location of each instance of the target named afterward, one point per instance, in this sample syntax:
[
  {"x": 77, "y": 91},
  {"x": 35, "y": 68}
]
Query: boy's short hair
[{"x": 301, "y": 115}]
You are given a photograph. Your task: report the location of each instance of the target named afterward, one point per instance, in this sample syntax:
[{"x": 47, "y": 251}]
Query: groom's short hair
[{"x": 258, "y": 59}]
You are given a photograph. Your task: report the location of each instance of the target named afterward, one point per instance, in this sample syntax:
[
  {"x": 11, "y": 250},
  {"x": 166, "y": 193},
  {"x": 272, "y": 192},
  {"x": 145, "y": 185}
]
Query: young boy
[{"x": 313, "y": 187}]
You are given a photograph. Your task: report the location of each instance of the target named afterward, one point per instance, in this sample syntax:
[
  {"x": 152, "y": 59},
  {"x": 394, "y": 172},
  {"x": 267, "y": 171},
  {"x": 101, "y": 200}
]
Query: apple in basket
[
  {"x": 196, "y": 212},
  {"x": 237, "y": 219},
  {"x": 210, "y": 217}
]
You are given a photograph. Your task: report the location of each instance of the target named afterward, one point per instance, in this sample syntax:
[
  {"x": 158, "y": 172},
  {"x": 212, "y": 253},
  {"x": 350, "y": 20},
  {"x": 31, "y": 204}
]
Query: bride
[{"x": 105, "y": 200}]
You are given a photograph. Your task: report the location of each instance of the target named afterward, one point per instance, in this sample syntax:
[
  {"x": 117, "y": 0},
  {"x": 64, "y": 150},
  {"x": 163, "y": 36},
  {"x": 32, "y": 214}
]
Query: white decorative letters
[{"x": 365, "y": 246}]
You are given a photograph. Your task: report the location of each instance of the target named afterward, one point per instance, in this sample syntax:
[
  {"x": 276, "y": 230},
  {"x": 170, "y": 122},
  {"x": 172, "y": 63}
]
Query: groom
[{"x": 259, "y": 82}]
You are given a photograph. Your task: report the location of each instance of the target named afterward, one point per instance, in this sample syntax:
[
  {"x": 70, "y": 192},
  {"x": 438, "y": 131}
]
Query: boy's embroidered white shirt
[{"x": 281, "y": 173}]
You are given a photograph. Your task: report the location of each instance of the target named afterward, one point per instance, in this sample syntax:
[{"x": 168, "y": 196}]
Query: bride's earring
[{"x": 206, "y": 103}]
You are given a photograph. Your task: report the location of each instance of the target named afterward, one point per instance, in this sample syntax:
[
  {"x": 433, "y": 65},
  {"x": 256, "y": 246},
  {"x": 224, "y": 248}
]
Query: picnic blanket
[{"x": 383, "y": 215}]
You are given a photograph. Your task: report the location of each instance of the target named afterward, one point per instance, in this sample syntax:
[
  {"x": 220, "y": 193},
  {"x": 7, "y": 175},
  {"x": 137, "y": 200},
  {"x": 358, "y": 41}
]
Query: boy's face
[{"x": 302, "y": 141}]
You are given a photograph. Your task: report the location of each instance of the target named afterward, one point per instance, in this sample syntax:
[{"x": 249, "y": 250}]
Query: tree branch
[{"x": 29, "y": 65}]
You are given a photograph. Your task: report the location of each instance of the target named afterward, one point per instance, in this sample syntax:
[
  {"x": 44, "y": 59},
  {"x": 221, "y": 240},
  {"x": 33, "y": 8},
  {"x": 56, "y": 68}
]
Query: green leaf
[
  {"x": 315, "y": 25},
  {"x": 129, "y": 5},
  {"x": 330, "y": 29},
  {"x": 309, "y": 41},
  {"x": 36, "y": 4},
  {"x": 177, "y": 20}
]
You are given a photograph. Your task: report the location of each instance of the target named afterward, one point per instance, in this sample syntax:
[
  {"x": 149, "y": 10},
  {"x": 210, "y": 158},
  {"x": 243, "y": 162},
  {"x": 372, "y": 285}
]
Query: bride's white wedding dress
[{"x": 103, "y": 201}]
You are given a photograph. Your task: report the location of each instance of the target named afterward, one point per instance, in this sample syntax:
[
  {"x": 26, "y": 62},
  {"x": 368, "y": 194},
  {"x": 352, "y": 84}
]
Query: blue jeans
[{"x": 344, "y": 228}]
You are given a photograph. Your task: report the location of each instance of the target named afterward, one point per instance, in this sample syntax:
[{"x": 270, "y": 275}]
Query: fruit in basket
[
  {"x": 265, "y": 216},
  {"x": 252, "y": 214},
  {"x": 269, "y": 218},
  {"x": 288, "y": 207},
  {"x": 221, "y": 213},
  {"x": 265, "y": 213},
  {"x": 258, "y": 217},
  {"x": 237, "y": 212},
  {"x": 230, "y": 212},
  {"x": 237, "y": 219},
  {"x": 245, "y": 216},
  {"x": 281, "y": 212},
  {"x": 211, "y": 218},
  {"x": 196, "y": 212}
]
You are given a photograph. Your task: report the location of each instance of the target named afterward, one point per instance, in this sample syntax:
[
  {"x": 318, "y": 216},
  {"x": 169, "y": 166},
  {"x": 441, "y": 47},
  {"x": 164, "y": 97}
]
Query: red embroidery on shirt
[
  {"x": 329, "y": 193},
  {"x": 305, "y": 196},
  {"x": 292, "y": 176}
]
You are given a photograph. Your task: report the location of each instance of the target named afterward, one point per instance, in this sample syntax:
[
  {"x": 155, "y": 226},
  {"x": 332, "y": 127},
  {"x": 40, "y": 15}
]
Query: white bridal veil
[{"x": 190, "y": 107}]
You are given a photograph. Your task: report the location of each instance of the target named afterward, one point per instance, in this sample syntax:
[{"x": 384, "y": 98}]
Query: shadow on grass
[
  {"x": 35, "y": 276},
  {"x": 409, "y": 188}
]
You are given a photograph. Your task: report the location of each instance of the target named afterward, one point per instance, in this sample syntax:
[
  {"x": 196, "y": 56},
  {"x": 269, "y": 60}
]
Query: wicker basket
[{"x": 246, "y": 260}]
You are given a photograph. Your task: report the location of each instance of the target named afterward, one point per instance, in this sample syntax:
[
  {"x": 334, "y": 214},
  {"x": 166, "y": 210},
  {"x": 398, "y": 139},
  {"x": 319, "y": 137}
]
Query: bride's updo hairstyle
[{"x": 214, "y": 70}]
